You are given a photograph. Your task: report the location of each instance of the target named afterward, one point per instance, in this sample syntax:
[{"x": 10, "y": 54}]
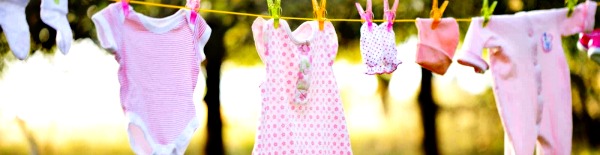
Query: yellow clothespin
[
  {"x": 571, "y": 6},
  {"x": 320, "y": 12},
  {"x": 275, "y": 11},
  {"x": 487, "y": 11},
  {"x": 436, "y": 13}
]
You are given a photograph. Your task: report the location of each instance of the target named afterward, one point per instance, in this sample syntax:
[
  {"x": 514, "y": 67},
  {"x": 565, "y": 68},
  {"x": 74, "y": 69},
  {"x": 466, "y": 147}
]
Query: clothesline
[{"x": 265, "y": 16}]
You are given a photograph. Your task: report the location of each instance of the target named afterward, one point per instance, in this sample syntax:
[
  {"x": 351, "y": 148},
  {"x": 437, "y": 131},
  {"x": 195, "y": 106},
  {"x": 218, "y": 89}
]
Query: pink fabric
[
  {"x": 590, "y": 42},
  {"x": 158, "y": 73},
  {"x": 287, "y": 127},
  {"x": 436, "y": 47},
  {"x": 378, "y": 43},
  {"x": 531, "y": 75}
]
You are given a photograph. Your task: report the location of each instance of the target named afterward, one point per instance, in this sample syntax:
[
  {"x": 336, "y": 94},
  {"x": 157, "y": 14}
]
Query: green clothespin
[
  {"x": 275, "y": 11},
  {"x": 571, "y": 6},
  {"x": 57, "y": 2},
  {"x": 487, "y": 11}
]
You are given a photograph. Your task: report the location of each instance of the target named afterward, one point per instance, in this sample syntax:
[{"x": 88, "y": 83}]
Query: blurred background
[{"x": 57, "y": 104}]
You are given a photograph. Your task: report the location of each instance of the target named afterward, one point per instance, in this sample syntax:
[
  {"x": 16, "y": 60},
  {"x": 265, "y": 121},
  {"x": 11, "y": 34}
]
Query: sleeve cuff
[{"x": 476, "y": 62}]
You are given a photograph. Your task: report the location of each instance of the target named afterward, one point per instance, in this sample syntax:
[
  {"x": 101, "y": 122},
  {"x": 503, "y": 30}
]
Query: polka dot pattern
[
  {"x": 378, "y": 49},
  {"x": 317, "y": 126}
]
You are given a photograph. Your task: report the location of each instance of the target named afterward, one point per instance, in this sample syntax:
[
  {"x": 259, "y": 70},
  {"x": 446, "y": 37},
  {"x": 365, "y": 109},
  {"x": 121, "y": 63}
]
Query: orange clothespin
[
  {"x": 320, "y": 12},
  {"x": 193, "y": 5},
  {"x": 125, "y": 6},
  {"x": 436, "y": 13},
  {"x": 275, "y": 11}
]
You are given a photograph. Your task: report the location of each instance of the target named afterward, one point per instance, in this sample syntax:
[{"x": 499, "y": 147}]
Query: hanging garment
[
  {"x": 531, "y": 76},
  {"x": 158, "y": 71},
  {"x": 378, "y": 42},
  {"x": 54, "y": 13},
  {"x": 316, "y": 126},
  {"x": 436, "y": 47},
  {"x": 590, "y": 42},
  {"x": 14, "y": 26}
]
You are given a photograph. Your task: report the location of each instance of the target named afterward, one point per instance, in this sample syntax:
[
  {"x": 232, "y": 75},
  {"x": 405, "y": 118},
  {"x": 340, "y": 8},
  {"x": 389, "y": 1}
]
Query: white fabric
[
  {"x": 14, "y": 25},
  {"x": 55, "y": 15}
]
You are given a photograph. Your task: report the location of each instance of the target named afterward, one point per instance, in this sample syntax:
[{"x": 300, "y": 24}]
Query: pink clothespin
[
  {"x": 125, "y": 6},
  {"x": 367, "y": 15},
  {"x": 390, "y": 14},
  {"x": 193, "y": 5}
]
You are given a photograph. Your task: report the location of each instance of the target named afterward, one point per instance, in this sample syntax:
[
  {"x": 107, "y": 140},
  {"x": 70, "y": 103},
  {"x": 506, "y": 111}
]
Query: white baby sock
[
  {"x": 54, "y": 13},
  {"x": 15, "y": 27}
]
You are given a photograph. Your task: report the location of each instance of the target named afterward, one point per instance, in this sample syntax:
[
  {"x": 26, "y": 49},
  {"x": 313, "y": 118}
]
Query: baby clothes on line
[
  {"x": 15, "y": 27},
  {"x": 590, "y": 43},
  {"x": 436, "y": 47},
  {"x": 378, "y": 42},
  {"x": 531, "y": 75},
  {"x": 55, "y": 15},
  {"x": 317, "y": 126},
  {"x": 159, "y": 67}
]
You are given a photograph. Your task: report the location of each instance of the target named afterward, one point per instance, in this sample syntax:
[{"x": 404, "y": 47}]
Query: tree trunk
[
  {"x": 215, "y": 53},
  {"x": 428, "y": 114}
]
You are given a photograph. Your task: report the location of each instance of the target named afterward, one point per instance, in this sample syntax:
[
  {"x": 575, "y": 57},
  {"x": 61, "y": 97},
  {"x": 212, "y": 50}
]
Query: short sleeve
[
  {"x": 582, "y": 19},
  {"x": 332, "y": 42},
  {"x": 202, "y": 35},
  {"x": 105, "y": 21},
  {"x": 259, "y": 40},
  {"x": 472, "y": 48}
]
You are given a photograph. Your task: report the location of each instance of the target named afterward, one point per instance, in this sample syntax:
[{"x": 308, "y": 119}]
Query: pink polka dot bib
[{"x": 302, "y": 112}]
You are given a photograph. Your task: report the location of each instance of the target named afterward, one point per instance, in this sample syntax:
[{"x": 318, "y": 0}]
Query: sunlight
[
  {"x": 240, "y": 94},
  {"x": 61, "y": 97},
  {"x": 406, "y": 80},
  {"x": 75, "y": 90},
  {"x": 470, "y": 81},
  {"x": 359, "y": 95}
]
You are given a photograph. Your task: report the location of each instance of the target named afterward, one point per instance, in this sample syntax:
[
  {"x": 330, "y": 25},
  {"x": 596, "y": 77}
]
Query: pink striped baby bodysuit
[
  {"x": 311, "y": 123},
  {"x": 158, "y": 71},
  {"x": 531, "y": 75}
]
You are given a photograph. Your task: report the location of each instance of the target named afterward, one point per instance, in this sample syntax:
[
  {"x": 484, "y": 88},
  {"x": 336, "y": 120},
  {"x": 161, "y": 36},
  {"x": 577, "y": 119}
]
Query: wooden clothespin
[
  {"x": 390, "y": 14},
  {"x": 436, "y": 13},
  {"x": 366, "y": 15},
  {"x": 487, "y": 11},
  {"x": 125, "y": 6},
  {"x": 275, "y": 11},
  {"x": 194, "y": 6},
  {"x": 320, "y": 12},
  {"x": 571, "y": 6}
]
